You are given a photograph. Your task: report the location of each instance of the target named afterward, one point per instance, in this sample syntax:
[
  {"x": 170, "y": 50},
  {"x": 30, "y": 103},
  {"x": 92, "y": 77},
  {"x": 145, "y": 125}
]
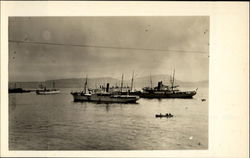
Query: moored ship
[
  {"x": 164, "y": 91},
  {"x": 18, "y": 90},
  {"x": 46, "y": 91},
  {"x": 103, "y": 97}
]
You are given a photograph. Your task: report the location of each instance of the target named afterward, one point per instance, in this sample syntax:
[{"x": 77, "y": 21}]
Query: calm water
[{"x": 54, "y": 122}]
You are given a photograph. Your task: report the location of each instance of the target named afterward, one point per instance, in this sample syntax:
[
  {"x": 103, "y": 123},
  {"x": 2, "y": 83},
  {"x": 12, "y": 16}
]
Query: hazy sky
[{"x": 37, "y": 62}]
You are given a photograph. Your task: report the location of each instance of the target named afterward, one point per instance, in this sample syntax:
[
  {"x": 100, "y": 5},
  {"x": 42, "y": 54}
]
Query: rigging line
[{"x": 110, "y": 47}]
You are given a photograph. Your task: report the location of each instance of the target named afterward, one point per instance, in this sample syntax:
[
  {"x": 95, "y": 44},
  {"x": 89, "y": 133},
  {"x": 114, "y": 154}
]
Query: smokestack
[
  {"x": 107, "y": 88},
  {"x": 159, "y": 85}
]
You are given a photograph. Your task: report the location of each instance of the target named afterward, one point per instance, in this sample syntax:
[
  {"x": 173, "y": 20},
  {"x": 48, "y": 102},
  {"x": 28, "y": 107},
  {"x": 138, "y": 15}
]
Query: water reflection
[
  {"x": 57, "y": 123},
  {"x": 12, "y": 99},
  {"x": 107, "y": 107}
]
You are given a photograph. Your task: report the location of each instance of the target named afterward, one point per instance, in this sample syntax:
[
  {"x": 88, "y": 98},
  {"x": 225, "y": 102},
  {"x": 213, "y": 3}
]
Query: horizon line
[{"x": 106, "y": 77}]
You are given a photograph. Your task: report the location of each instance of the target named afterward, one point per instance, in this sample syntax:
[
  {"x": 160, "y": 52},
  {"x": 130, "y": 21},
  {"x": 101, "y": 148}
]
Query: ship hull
[
  {"x": 188, "y": 94},
  {"x": 47, "y": 92},
  {"x": 78, "y": 97}
]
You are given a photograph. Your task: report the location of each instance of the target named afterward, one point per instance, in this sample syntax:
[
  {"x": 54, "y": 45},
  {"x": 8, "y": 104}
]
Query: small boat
[{"x": 166, "y": 115}]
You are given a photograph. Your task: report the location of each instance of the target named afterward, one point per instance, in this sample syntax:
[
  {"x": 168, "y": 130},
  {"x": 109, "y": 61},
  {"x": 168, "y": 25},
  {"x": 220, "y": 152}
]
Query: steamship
[
  {"x": 104, "y": 97},
  {"x": 165, "y": 91},
  {"x": 47, "y": 91}
]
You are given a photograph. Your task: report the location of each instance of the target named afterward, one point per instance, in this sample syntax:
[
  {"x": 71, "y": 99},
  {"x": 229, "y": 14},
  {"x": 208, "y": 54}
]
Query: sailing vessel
[
  {"x": 46, "y": 91},
  {"x": 103, "y": 97},
  {"x": 164, "y": 91}
]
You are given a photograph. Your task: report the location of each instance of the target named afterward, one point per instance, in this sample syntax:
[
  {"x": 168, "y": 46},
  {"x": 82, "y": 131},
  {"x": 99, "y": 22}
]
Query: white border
[{"x": 228, "y": 69}]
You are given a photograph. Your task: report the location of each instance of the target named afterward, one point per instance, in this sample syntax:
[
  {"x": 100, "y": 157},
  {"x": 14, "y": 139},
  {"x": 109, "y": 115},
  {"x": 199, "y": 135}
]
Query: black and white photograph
[
  {"x": 124, "y": 79},
  {"x": 108, "y": 82}
]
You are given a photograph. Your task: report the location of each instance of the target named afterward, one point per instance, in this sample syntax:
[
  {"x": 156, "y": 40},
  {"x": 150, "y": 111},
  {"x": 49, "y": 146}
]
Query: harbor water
[{"x": 55, "y": 122}]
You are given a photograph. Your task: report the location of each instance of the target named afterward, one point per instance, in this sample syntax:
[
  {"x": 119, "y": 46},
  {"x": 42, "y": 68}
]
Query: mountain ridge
[{"x": 97, "y": 81}]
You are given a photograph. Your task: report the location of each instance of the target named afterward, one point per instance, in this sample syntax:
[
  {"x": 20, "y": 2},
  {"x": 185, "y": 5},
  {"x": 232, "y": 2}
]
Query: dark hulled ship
[
  {"x": 18, "y": 90},
  {"x": 165, "y": 91}
]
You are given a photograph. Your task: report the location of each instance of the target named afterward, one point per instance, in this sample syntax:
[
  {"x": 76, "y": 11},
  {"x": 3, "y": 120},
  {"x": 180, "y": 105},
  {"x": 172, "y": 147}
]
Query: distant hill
[
  {"x": 145, "y": 81},
  {"x": 96, "y": 82},
  {"x": 68, "y": 83}
]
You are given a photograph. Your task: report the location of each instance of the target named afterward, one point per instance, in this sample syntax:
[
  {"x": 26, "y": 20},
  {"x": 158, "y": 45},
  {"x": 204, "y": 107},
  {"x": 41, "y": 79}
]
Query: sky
[{"x": 116, "y": 45}]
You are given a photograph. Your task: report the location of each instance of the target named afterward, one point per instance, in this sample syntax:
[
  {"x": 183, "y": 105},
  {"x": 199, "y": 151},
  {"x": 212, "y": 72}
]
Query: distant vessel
[
  {"x": 45, "y": 91},
  {"x": 104, "y": 97},
  {"x": 164, "y": 91},
  {"x": 18, "y": 90}
]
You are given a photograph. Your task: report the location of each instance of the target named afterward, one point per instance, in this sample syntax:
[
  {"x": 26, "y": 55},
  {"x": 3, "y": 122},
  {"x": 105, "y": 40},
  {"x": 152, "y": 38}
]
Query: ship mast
[
  {"x": 151, "y": 81},
  {"x": 132, "y": 81},
  {"x": 85, "y": 84},
  {"x": 173, "y": 81},
  {"x": 122, "y": 83},
  {"x": 41, "y": 85}
]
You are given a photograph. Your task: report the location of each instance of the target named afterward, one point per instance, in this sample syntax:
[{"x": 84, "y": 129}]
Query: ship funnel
[
  {"x": 107, "y": 88},
  {"x": 159, "y": 85}
]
